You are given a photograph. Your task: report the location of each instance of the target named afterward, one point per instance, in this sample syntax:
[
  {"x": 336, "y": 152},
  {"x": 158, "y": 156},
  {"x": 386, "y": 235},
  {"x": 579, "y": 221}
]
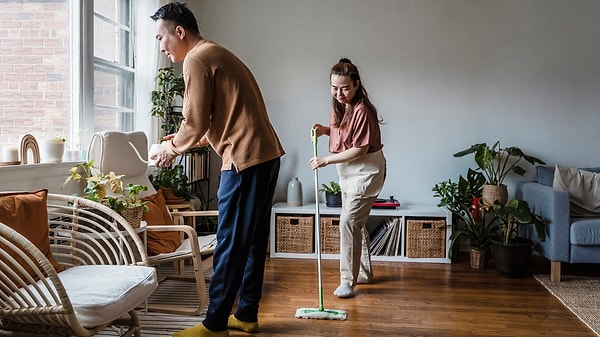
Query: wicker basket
[
  {"x": 133, "y": 215},
  {"x": 491, "y": 193},
  {"x": 294, "y": 234},
  {"x": 330, "y": 235},
  {"x": 425, "y": 237}
]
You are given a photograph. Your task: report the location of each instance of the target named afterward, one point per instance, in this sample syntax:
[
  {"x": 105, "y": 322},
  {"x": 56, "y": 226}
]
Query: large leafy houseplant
[
  {"x": 511, "y": 251},
  {"x": 453, "y": 195},
  {"x": 496, "y": 163},
  {"x": 169, "y": 87},
  {"x": 514, "y": 213},
  {"x": 107, "y": 189}
]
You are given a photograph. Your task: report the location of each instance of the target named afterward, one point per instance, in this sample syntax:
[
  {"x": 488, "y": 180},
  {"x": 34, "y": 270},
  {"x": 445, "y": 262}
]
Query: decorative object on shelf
[
  {"x": 496, "y": 163},
  {"x": 511, "y": 251},
  {"x": 173, "y": 177},
  {"x": 333, "y": 194},
  {"x": 294, "y": 193},
  {"x": 108, "y": 189},
  {"x": 29, "y": 143},
  {"x": 52, "y": 150},
  {"x": 10, "y": 155},
  {"x": 169, "y": 87}
]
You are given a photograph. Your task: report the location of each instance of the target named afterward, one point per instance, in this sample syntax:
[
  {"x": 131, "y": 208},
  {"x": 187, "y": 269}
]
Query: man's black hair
[{"x": 180, "y": 14}]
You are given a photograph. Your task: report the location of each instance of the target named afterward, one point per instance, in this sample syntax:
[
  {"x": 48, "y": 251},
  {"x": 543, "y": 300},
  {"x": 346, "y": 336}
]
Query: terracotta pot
[
  {"x": 491, "y": 193},
  {"x": 171, "y": 198}
]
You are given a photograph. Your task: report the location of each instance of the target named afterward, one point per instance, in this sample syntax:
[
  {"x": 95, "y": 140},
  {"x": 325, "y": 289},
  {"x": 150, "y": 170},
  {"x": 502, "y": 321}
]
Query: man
[{"x": 223, "y": 107}]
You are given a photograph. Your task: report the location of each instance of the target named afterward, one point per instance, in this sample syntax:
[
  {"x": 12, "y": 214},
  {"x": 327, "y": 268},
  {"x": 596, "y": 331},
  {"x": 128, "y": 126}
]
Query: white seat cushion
[
  {"x": 207, "y": 244},
  {"x": 101, "y": 293}
]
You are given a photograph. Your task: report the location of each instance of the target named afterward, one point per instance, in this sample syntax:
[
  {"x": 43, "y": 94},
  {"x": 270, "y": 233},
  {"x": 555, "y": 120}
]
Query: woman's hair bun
[{"x": 345, "y": 60}]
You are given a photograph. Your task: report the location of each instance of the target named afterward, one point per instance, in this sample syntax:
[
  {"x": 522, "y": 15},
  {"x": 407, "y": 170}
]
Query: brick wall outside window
[{"x": 34, "y": 69}]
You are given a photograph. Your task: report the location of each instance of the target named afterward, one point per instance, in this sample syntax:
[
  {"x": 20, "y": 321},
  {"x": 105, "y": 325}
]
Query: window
[
  {"x": 113, "y": 66},
  {"x": 66, "y": 68}
]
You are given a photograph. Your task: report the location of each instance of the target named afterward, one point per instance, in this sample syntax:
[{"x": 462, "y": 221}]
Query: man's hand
[{"x": 162, "y": 157}]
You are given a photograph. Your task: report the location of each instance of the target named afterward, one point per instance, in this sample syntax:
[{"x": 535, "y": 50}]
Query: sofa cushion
[
  {"x": 585, "y": 232},
  {"x": 545, "y": 174},
  {"x": 27, "y": 213},
  {"x": 583, "y": 187},
  {"x": 158, "y": 214}
]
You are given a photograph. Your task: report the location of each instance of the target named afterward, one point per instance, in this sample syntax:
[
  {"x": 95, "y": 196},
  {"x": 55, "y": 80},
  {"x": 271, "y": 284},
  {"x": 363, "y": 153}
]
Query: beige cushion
[
  {"x": 583, "y": 187},
  {"x": 27, "y": 213}
]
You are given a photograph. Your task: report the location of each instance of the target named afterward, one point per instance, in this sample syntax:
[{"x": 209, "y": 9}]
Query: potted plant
[
  {"x": 511, "y": 251},
  {"x": 108, "y": 189},
  {"x": 479, "y": 229},
  {"x": 174, "y": 183},
  {"x": 496, "y": 163},
  {"x": 169, "y": 87},
  {"x": 333, "y": 194},
  {"x": 458, "y": 198}
]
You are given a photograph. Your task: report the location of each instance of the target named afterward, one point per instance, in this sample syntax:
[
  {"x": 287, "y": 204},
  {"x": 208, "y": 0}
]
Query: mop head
[{"x": 321, "y": 314}]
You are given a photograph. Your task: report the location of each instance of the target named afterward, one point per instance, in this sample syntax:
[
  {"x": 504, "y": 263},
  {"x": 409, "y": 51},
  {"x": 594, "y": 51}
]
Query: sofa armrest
[{"x": 553, "y": 206}]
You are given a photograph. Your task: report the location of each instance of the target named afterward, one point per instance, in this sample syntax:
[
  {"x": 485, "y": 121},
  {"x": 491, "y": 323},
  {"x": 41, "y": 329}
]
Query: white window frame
[{"x": 83, "y": 64}]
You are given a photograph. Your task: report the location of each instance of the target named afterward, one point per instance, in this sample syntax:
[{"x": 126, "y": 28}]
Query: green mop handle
[{"x": 317, "y": 221}]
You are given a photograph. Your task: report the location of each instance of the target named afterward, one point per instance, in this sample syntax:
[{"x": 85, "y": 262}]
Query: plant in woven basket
[
  {"x": 107, "y": 189},
  {"x": 496, "y": 163},
  {"x": 479, "y": 227}
]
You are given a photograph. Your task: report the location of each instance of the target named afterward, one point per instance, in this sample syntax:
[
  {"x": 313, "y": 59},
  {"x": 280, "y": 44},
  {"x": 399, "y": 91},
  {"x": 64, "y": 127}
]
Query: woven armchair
[{"x": 105, "y": 274}]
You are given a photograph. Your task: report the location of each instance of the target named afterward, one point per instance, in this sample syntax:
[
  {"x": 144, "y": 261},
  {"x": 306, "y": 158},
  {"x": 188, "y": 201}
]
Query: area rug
[
  {"x": 580, "y": 294},
  {"x": 155, "y": 324}
]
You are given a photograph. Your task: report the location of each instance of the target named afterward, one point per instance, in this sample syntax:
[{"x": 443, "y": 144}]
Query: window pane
[
  {"x": 112, "y": 43},
  {"x": 107, "y": 118},
  {"x": 113, "y": 87},
  {"x": 35, "y": 89},
  {"x": 114, "y": 10}
]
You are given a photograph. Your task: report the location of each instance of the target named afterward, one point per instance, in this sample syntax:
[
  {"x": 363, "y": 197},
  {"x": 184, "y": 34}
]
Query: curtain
[{"x": 148, "y": 60}]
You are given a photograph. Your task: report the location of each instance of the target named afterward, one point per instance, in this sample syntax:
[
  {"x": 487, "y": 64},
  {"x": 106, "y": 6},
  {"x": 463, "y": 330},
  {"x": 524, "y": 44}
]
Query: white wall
[{"x": 443, "y": 74}]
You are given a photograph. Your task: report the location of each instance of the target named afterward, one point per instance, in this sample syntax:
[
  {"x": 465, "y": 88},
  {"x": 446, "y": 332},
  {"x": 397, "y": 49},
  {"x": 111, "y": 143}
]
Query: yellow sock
[
  {"x": 199, "y": 330},
  {"x": 234, "y": 323}
]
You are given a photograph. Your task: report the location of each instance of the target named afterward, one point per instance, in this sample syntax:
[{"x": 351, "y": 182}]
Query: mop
[{"x": 319, "y": 313}]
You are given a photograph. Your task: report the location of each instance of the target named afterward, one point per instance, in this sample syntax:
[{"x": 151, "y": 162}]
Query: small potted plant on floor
[
  {"x": 333, "y": 194},
  {"x": 511, "y": 251},
  {"x": 461, "y": 198},
  {"x": 496, "y": 163}
]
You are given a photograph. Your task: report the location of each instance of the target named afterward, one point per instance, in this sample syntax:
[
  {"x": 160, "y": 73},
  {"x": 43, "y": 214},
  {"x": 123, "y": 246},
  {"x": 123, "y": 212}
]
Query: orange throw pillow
[
  {"x": 158, "y": 214},
  {"x": 26, "y": 213}
]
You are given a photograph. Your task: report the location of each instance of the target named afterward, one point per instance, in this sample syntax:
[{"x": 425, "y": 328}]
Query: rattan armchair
[
  {"x": 126, "y": 153},
  {"x": 105, "y": 277}
]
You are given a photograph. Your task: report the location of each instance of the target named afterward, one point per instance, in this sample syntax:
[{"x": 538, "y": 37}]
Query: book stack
[{"x": 385, "y": 240}]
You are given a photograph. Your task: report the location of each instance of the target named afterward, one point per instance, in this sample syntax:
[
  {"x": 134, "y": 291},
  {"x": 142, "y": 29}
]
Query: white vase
[
  {"x": 52, "y": 151},
  {"x": 294, "y": 193}
]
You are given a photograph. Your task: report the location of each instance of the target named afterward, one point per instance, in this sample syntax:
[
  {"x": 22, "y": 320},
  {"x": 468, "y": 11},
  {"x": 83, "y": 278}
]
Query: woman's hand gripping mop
[{"x": 319, "y": 313}]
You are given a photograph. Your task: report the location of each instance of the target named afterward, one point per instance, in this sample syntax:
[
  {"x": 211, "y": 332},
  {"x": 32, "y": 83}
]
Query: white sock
[{"x": 344, "y": 291}]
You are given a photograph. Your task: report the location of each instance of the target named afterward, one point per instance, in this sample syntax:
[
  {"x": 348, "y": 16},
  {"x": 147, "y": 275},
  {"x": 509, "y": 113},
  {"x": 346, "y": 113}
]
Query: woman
[{"x": 356, "y": 149}]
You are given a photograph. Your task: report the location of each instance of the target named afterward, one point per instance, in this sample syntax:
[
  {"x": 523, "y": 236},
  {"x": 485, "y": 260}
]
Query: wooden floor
[{"x": 409, "y": 299}]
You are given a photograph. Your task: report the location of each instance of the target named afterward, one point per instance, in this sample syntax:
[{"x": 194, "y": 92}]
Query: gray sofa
[{"x": 568, "y": 239}]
